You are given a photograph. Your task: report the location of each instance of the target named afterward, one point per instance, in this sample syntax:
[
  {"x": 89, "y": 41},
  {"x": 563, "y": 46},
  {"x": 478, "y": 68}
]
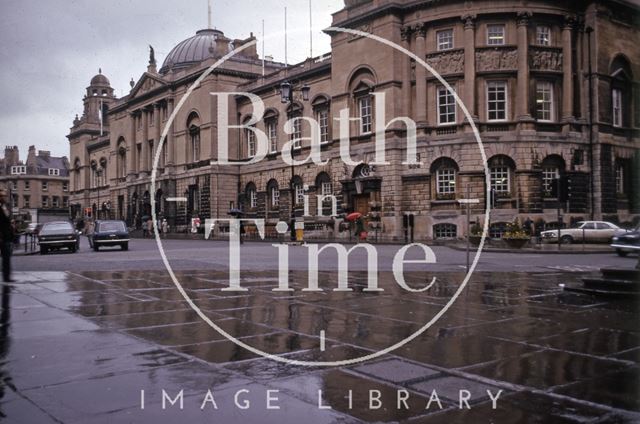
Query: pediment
[{"x": 147, "y": 82}]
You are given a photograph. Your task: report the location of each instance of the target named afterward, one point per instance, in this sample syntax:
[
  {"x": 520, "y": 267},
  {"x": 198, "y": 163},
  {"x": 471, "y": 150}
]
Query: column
[
  {"x": 144, "y": 162},
  {"x": 170, "y": 140},
  {"x": 567, "y": 70},
  {"x": 133, "y": 167},
  {"x": 522, "y": 95},
  {"x": 156, "y": 142},
  {"x": 421, "y": 76},
  {"x": 470, "y": 64},
  {"x": 405, "y": 35}
]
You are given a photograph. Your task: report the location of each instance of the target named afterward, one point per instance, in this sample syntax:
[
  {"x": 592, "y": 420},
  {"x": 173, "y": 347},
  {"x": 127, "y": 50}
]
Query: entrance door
[{"x": 361, "y": 204}]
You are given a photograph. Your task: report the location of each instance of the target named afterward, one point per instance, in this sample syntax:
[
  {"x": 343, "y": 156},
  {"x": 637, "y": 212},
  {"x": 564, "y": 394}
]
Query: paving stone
[{"x": 396, "y": 370}]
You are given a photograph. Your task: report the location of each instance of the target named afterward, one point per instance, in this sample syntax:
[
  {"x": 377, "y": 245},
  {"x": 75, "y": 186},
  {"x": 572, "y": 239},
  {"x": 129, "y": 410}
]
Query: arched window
[
  {"x": 501, "y": 168},
  {"x": 76, "y": 175},
  {"x": 250, "y": 140},
  {"x": 298, "y": 189},
  {"x": 102, "y": 172},
  {"x": 193, "y": 127},
  {"x": 122, "y": 158},
  {"x": 294, "y": 113},
  {"x": 93, "y": 180},
  {"x": 274, "y": 194},
  {"x": 445, "y": 171},
  {"x": 251, "y": 195},
  {"x": 361, "y": 85},
  {"x": 621, "y": 92},
  {"x": 445, "y": 231},
  {"x": 553, "y": 167}
]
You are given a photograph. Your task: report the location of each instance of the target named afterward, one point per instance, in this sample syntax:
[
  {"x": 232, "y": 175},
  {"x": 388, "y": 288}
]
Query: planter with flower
[
  {"x": 515, "y": 237},
  {"x": 475, "y": 234}
]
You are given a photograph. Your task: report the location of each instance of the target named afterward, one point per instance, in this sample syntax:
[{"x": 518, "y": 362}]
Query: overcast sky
[{"x": 51, "y": 49}]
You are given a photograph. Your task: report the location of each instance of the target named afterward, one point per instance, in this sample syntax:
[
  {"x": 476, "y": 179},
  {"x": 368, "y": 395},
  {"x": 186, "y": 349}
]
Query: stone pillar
[
  {"x": 405, "y": 34},
  {"x": 170, "y": 140},
  {"x": 144, "y": 163},
  {"x": 522, "y": 95},
  {"x": 470, "y": 64},
  {"x": 133, "y": 167},
  {"x": 421, "y": 76},
  {"x": 156, "y": 142},
  {"x": 567, "y": 70}
]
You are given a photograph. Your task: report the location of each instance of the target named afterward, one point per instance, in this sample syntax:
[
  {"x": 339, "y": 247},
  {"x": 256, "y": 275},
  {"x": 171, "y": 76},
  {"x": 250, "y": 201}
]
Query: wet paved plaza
[{"x": 81, "y": 347}]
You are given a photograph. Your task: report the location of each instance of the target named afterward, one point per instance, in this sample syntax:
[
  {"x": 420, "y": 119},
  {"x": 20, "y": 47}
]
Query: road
[{"x": 203, "y": 255}]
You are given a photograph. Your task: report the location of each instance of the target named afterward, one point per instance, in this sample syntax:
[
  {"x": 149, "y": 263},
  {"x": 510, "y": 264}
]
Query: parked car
[
  {"x": 109, "y": 233},
  {"x": 590, "y": 231},
  {"x": 58, "y": 235},
  {"x": 627, "y": 243}
]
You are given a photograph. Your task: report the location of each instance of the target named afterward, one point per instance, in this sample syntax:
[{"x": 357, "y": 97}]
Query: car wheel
[
  {"x": 73, "y": 249},
  {"x": 566, "y": 239},
  {"x": 622, "y": 253},
  {"x": 125, "y": 246},
  {"x": 43, "y": 250},
  {"x": 95, "y": 247}
]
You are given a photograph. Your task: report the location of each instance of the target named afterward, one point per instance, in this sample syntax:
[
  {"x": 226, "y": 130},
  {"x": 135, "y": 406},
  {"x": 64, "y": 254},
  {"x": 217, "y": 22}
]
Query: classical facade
[
  {"x": 39, "y": 182},
  {"x": 552, "y": 87}
]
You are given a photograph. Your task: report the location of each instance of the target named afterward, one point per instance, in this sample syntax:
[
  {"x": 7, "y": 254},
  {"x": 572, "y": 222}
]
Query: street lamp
[{"x": 287, "y": 91}]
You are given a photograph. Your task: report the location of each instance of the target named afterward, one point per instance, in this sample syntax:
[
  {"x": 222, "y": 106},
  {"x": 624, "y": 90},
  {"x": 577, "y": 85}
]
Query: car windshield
[
  {"x": 111, "y": 226},
  {"x": 58, "y": 226}
]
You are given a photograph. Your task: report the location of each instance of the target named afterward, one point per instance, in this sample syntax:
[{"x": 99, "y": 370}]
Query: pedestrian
[
  {"x": 6, "y": 237},
  {"x": 165, "y": 227},
  {"x": 150, "y": 227},
  {"x": 144, "y": 229}
]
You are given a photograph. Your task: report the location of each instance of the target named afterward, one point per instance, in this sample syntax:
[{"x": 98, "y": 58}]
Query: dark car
[
  {"x": 58, "y": 235},
  {"x": 109, "y": 233},
  {"x": 627, "y": 243}
]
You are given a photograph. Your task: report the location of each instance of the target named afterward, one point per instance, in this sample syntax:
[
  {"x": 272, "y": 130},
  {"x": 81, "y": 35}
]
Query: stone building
[
  {"x": 552, "y": 87},
  {"x": 40, "y": 182}
]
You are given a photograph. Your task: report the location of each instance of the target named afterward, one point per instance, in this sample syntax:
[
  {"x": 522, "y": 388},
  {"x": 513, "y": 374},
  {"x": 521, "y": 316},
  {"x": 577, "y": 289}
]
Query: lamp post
[{"x": 287, "y": 91}]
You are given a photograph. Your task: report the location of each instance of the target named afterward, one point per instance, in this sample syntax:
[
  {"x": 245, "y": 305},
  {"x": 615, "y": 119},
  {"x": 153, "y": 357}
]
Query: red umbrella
[{"x": 353, "y": 216}]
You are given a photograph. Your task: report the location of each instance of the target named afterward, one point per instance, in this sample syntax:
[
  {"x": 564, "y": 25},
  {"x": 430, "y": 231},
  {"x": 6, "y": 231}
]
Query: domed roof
[
  {"x": 100, "y": 79},
  {"x": 193, "y": 50}
]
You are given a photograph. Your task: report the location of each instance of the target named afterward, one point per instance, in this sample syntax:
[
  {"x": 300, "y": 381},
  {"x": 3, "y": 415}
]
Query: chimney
[{"x": 31, "y": 157}]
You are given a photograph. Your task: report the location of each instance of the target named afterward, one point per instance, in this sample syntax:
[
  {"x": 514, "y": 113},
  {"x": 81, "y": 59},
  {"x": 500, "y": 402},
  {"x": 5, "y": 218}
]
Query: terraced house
[{"x": 552, "y": 87}]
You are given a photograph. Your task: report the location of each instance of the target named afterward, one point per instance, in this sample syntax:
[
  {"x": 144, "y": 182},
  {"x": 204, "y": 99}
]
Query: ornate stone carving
[
  {"x": 450, "y": 62},
  {"x": 405, "y": 33},
  {"x": 569, "y": 21},
  {"x": 496, "y": 59},
  {"x": 545, "y": 60},
  {"x": 522, "y": 18},
  {"x": 469, "y": 21},
  {"x": 420, "y": 30}
]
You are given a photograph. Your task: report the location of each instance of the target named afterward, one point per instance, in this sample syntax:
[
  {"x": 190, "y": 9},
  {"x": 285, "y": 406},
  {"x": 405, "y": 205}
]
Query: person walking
[
  {"x": 6, "y": 235},
  {"x": 165, "y": 227},
  {"x": 150, "y": 227}
]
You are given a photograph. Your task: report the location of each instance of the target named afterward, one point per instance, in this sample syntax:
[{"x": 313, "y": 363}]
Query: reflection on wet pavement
[{"x": 79, "y": 347}]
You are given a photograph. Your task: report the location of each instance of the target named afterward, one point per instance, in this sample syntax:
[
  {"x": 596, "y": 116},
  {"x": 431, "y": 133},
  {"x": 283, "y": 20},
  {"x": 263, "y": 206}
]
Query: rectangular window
[
  {"x": 364, "y": 108},
  {"x": 445, "y": 39},
  {"x": 54, "y": 172},
  {"x": 495, "y": 35},
  {"x": 275, "y": 197},
  {"x": 253, "y": 199},
  {"x": 549, "y": 177},
  {"x": 323, "y": 121},
  {"x": 18, "y": 170},
  {"x": 326, "y": 189},
  {"x": 445, "y": 231},
  {"x": 543, "y": 35},
  {"x": 251, "y": 143},
  {"x": 497, "y": 101},
  {"x": 446, "y": 181},
  {"x": 27, "y": 201},
  {"x": 45, "y": 186},
  {"x": 56, "y": 201},
  {"x": 544, "y": 101},
  {"x": 65, "y": 202},
  {"x": 195, "y": 146},
  {"x": 65, "y": 186},
  {"x": 446, "y": 107},
  {"x": 27, "y": 185},
  {"x": 45, "y": 201},
  {"x": 619, "y": 179},
  {"x": 616, "y": 96},
  {"x": 272, "y": 133},
  {"x": 299, "y": 195},
  {"x": 296, "y": 135},
  {"x": 500, "y": 179}
]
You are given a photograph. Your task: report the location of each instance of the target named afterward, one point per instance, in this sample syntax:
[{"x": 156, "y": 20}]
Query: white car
[{"x": 590, "y": 231}]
